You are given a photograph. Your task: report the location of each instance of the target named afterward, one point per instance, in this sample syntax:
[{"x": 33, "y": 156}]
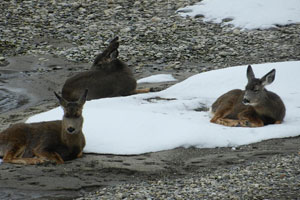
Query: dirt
[{"x": 29, "y": 81}]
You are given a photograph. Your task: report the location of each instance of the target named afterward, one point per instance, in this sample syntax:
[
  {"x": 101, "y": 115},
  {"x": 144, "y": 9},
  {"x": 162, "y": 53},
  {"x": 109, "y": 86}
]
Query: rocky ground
[{"x": 44, "y": 42}]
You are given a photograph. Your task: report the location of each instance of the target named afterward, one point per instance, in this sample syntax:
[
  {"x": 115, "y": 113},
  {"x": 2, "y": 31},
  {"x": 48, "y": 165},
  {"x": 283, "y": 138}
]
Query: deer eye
[
  {"x": 72, "y": 116},
  {"x": 75, "y": 116}
]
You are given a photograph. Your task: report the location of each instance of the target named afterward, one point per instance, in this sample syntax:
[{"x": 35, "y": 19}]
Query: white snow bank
[
  {"x": 157, "y": 78},
  {"x": 247, "y": 14},
  {"x": 142, "y": 123}
]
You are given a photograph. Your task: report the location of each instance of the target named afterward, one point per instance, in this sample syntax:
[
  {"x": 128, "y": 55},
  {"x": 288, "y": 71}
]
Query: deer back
[
  {"x": 108, "y": 77},
  {"x": 100, "y": 84}
]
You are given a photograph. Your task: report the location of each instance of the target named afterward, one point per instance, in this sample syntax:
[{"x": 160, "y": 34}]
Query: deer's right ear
[
  {"x": 61, "y": 100},
  {"x": 114, "y": 40},
  {"x": 250, "y": 74}
]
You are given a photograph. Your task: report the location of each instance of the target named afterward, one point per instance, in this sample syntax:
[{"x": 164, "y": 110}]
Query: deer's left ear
[
  {"x": 61, "y": 100},
  {"x": 268, "y": 78}
]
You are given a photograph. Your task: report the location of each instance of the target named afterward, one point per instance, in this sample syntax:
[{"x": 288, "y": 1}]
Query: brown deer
[
  {"x": 253, "y": 107},
  {"x": 53, "y": 141},
  {"x": 108, "y": 77}
]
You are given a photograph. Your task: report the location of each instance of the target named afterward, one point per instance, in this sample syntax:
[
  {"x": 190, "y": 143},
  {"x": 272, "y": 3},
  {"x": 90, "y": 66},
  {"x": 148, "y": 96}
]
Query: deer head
[
  {"x": 255, "y": 92},
  {"x": 72, "y": 120}
]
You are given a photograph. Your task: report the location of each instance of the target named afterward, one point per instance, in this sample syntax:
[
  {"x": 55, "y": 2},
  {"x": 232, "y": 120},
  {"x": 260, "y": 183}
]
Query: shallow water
[{"x": 11, "y": 99}]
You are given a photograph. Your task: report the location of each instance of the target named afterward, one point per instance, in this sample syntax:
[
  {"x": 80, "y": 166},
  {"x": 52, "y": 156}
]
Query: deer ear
[
  {"x": 110, "y": 52},
  {"x": 61, "y": 100},
  {"x": 115, "y": 39},
  {"x": 268, "y": 78},
  {"x": 250, "y": 74},
  {"x": 83, "y": 97},
  {"x": 114, "y": 54}
]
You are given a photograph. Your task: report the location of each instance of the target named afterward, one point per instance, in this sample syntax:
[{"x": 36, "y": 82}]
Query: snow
[
  {"x": 247, "y": 14},
  {"x": 143, "y": 123},
  {"x": 157, "y": 78}
]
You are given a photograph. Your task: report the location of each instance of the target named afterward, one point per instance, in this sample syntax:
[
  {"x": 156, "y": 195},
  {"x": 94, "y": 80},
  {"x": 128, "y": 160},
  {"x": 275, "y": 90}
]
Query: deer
[
  {"x": 49, "y": 141},
  {"x": 253, "y": 107},
  {"x": 108, "y": 77}
]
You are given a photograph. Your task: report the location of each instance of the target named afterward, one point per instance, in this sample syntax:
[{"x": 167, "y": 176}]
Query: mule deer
[
  {"x": 108, "y": 77},
  {"x": 253, "y": 107},
  {"x": 53, "y": 141}
]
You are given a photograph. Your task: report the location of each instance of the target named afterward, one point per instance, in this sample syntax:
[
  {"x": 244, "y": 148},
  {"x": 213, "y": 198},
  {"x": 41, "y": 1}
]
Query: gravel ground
[
  {"x": 153, "y": 36},
  {"x": 154, "y": 39},
  {"x": 277, "y": 177}
]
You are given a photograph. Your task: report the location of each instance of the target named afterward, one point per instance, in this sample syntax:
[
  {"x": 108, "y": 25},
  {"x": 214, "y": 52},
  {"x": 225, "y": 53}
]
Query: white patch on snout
[{"x": 249, "y": 104}]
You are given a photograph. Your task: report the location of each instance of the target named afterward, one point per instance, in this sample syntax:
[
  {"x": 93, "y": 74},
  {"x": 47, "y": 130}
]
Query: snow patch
[
  {"x": 246, "y": 14},
  {"x": 178, "y": 116},
  {"x": 157, "y": 78}
]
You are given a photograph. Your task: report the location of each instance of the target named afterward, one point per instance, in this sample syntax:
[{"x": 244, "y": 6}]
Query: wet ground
[{"x": 26, "y": 87}]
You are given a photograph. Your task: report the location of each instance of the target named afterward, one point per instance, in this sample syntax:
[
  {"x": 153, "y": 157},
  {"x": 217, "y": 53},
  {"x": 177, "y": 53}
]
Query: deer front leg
[
  {"x": 235, "y": 123},
  {"x": 80, "y": 154},
  {"x": 15, "y": 153},
  {"x": 220, "y": 115},
  {"x": 139, "y": 91},
  {"x": 27, "y": 161},
  {"x": 247, "y": 118},
  {"x": 45, "y": 156},
  {"x": 250, "y": 119}
]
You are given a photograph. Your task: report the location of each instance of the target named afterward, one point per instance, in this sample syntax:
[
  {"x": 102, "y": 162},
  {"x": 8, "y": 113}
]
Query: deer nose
[
  {"x": 71, "y": 129},
  {"x": 246, "y": 101}
]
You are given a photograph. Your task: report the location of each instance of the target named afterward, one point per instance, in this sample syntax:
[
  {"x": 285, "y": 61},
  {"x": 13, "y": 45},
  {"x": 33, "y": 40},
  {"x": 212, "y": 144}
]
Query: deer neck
[{"x": 265, "y": 108}]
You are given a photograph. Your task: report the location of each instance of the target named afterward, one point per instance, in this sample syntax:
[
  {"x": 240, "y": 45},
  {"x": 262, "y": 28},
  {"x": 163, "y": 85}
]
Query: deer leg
[
  {"x": 228, "y": 122},
  {"x": 15, "y": 151},
  {"x": 48, "y": 156},
  {"x": 27, "y": 161},
  {"x": 249, "y": 118},
  {"x": 251, "y": 123},
  {"x": 139, "y": 91},
  {"x": 220, "y": 114},
  {"x": 80, "y": 154},
  {"x": 14, "y": 155},
  {"x": 235, "y": 123},
  {"x": 239, "y": 122}
]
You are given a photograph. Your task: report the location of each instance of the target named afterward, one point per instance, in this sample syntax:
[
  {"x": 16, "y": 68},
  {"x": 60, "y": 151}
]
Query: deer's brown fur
[
  {"x": 108, "y": 77},
  {"x": 52, "y": 141},
  {"x": 253, "y": 107}
]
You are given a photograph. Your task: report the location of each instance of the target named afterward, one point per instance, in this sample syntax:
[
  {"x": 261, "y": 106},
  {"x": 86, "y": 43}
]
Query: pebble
[
  {"x": 149, "y": 31},
  {"x": 153, "y": 37},
  {"x": 254, "y": 180}
]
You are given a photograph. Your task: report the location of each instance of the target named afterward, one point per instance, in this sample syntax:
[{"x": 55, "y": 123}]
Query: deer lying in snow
[
  {"x": 53, "y": 141},
  {"x": 108, "y": 77},
  {"x": 253, "y": 107}
]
